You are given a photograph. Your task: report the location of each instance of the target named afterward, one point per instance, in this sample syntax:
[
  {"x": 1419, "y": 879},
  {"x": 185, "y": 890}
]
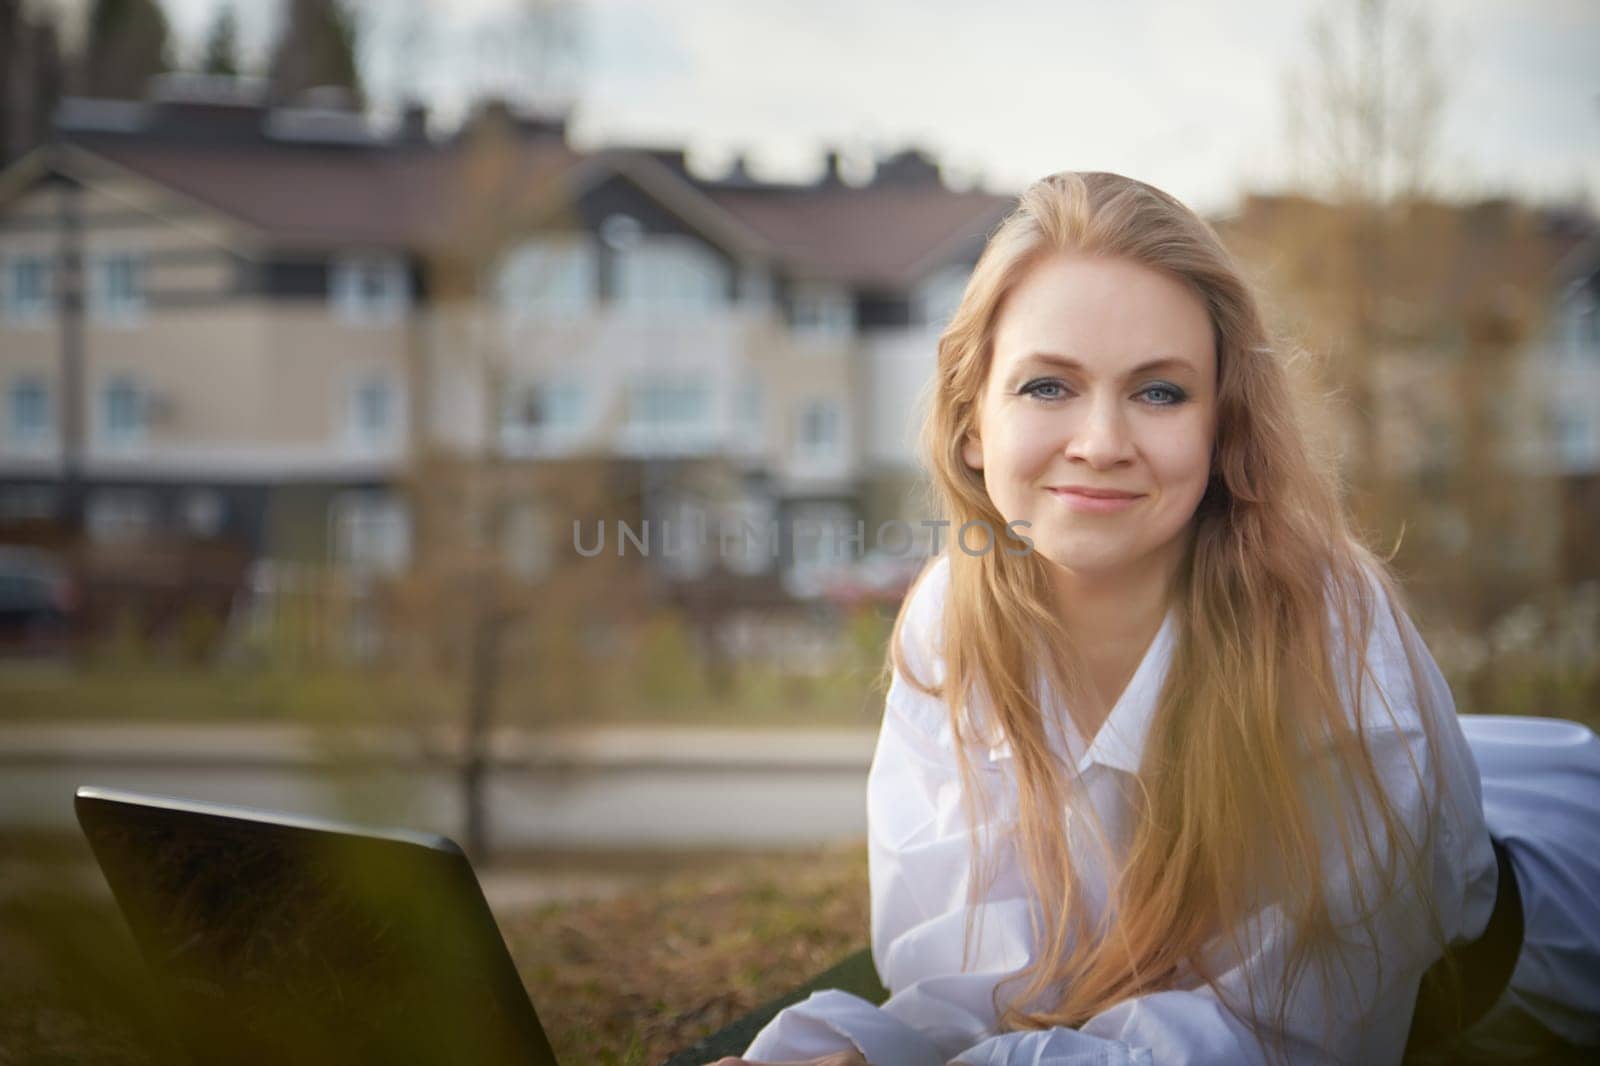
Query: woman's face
[{"x": 1103, "y": 379}]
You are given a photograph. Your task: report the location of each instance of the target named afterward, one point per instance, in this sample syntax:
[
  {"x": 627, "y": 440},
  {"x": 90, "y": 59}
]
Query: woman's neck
[
  {"x": 1114, "y": 608},
  {"x": 1111, "y": 620}
]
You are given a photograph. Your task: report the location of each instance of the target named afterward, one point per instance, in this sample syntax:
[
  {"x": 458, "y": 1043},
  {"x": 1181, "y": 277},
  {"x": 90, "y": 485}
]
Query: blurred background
[{"x": 498, "y": 417}]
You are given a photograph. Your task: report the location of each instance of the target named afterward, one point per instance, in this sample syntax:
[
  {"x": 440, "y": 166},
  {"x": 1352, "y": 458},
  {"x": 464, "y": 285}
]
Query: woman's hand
[{"x": 838, "y": 1058}]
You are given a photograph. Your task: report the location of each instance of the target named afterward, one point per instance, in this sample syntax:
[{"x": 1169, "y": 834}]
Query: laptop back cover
[{"x": 276, "y": 939}]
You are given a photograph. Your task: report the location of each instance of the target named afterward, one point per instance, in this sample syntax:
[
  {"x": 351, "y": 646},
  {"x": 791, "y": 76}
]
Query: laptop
[{"x": 273, "y": 938}]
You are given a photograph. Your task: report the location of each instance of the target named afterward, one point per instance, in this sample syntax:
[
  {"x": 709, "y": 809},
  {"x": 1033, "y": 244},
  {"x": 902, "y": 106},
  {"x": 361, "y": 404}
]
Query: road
[{"x": 666, "y": 788}]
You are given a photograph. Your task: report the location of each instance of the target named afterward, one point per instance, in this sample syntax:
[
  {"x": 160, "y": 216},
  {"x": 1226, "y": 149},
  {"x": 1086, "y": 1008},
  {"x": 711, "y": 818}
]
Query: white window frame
[
  {"x": 369, "y": 533},
  {"x": 938, "y": 296},
  {"x": 670, "y": 277},
  {"x": 821, "y": 311},
  {"x": 749, "y": 412},
  {"x": 20, "y": 310},
  {"x": 353, "y": 302},
  {"x": 357, "y": 434},
  {"x": 651, "y": 402},
  {"x": 828, "y": 450},
  {"x": 549, "y": 278},
  {"x": 108, "y": 301},
  {"x": 756, "y": 288},
  {"x": 29, "y": 437},
  {"x": 571, "y": 402},
  {"x": 111, "y": 434}
]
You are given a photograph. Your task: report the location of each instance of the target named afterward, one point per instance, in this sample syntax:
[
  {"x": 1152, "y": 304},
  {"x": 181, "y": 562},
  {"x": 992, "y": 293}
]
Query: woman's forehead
[{"x": 1106, "y": 315}]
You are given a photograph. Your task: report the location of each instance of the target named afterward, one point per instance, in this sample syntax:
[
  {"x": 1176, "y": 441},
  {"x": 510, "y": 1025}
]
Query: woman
[{"x": 1272, "y": 830}]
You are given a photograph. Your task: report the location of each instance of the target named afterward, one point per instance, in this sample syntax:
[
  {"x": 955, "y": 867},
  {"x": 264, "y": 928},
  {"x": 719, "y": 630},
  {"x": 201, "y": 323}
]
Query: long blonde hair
[{"x": 1232, "y": 811}]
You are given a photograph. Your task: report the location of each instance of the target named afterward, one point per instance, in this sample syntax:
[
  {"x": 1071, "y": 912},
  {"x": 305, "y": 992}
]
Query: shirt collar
[{"x": 1119, "y": 744}]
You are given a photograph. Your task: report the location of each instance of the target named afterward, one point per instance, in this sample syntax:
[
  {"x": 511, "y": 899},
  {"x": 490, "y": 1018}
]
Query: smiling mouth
[
  {"x": 1093, "y": 494},
  {"x": 1095, "y": 502}
]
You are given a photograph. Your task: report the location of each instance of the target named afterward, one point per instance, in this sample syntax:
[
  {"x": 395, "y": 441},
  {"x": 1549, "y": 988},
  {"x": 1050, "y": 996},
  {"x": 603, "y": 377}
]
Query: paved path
[{"x": 603, "y": 788}]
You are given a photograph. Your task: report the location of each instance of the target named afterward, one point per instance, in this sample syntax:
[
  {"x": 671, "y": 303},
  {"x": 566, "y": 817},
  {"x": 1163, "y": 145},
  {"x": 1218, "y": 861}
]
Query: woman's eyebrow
[{"x": 1166, "y": 363}]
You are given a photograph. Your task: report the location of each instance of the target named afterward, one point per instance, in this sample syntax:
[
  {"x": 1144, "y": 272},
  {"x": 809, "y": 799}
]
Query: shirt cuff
[
  {"x": 1052, "y": 1047},
  {"x": 833, "y": 1020}
]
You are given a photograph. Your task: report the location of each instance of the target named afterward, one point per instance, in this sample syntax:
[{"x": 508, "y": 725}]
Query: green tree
[
  {"x": 31, "y": 75},
  {"x": 222, "y": 44},
  {"x": 316, "y": 47},
  {"x": 126, "y": 45}
]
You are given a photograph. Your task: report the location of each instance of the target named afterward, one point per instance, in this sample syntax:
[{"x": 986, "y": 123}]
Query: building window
[
  {"x": 547, "y": 279},
  {"x": 755, "y": 287},
  {"x": 124, "y": 412},
  {"x": 821, "y": 311},
  {"x": 371, "y": 420},
  {"x": 670, "y": 276},
  {"x": 120, "y": 515},
  {"x": 371, "y": 534},
  {"x": 28, "y": 414},
  {"x": 370, "y": 290},
  {"x": 935, "y": 301},
  {"x": 669, "y": 405},
  {"x": 116, "y": 287},
  {"x": 749, "y": 409},
  {"x": 537, "y": 413},
  {"x": 821, "y": 437},
  {"x": 25, "y": 289}
]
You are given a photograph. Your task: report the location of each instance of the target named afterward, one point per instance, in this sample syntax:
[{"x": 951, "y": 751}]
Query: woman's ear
[{"x": 972, "y": 450}]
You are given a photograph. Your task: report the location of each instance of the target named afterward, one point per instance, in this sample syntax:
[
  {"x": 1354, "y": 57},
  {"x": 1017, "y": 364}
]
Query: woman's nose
[{"x": 1102, "y": 439}]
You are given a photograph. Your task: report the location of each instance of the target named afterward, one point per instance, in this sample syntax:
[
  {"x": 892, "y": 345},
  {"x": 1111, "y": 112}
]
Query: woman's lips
[{"x": 1095, "y": 501}]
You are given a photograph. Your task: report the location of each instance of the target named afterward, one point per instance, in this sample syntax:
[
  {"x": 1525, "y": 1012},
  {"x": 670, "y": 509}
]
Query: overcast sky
[{"x": 1186, "y": 95}]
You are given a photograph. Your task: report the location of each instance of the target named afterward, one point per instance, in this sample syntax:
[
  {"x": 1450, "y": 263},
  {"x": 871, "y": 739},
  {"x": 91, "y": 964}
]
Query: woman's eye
[
  {"x": 1042, "y": 389},
  {"x": 1164, "y": 395},
  {"x": 1154, "y": 395}
]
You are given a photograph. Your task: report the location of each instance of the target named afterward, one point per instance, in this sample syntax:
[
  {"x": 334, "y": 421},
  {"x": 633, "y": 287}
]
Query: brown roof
[
  {"x": 874, "y": 235},
  {"x": 397, "y": 195},
  {"x": 322, "y": 194}
]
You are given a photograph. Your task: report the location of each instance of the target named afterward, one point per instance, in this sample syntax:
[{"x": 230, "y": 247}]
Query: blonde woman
[{"x": 1165, "y": 773}]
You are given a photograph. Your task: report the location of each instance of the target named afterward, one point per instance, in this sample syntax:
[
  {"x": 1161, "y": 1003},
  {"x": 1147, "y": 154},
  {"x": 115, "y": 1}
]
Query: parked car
[{"x": 39, "y": 602}]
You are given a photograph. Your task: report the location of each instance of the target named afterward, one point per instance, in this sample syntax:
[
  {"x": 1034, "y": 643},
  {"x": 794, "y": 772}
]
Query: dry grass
[
  {"x": 637, "y": 978},
  {"x": 631, "y": 979}
]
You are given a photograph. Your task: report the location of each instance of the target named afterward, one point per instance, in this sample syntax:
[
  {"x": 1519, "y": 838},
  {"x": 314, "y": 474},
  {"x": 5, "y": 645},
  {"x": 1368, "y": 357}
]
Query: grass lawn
[
  {"x": 694, "y": 943},
  {"x": 173, "y": 693}
]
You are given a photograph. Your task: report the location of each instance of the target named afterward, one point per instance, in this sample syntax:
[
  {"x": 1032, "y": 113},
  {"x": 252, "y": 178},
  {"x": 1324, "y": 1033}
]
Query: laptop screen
[{"x": 274, "y": 939}]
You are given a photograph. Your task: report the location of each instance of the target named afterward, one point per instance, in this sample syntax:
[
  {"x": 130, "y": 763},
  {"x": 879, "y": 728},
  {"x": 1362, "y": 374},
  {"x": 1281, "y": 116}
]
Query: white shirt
[{"x": 918, "y": 865}]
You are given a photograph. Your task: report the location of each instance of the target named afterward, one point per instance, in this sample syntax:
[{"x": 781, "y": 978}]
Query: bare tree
[
  {"x": 1364, "y": 113},
  {"x": 1423, "y": 307},
  {"x": 486, "y": 586},
  {"x": 1363, "y": 122}
]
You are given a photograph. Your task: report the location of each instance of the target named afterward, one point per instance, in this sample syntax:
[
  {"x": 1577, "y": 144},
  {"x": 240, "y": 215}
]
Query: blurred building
[
  {"x": 1484, "y": 361},
  {"x": 222, "y": 320}
]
